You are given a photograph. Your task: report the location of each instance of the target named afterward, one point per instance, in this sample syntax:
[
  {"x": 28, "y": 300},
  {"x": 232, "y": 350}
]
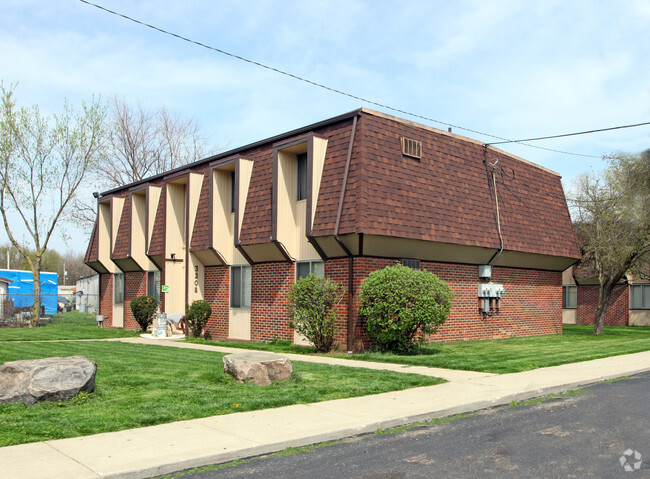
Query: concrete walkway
[{"x": 156, "y": 450}]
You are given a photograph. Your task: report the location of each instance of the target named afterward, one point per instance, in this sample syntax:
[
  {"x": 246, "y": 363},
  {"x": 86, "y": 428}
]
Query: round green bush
[
  {"x": 402, "y": 306},
  {"x": 144, "y": 310},
  {"x": 197, "y": 315},
  {"x": 311, "y": 309}
]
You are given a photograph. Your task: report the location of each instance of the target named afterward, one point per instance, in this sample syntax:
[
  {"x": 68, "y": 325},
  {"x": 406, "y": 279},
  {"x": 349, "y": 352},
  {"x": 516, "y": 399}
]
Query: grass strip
[
  {"x": 65, "y": 326},
  {"x": 142, "y": 385},
  {"x": 510, "y": 355}
]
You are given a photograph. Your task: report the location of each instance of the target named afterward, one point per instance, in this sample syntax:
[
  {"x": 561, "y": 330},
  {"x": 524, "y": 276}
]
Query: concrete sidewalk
[{"x": 156, "y": 450}]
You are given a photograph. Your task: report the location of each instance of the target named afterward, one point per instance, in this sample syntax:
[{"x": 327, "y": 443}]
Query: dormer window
[{"x": 301, "y": 183}]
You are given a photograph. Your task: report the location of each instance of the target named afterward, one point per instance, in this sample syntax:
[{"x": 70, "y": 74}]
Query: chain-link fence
[{"x": 16, "y": 309}]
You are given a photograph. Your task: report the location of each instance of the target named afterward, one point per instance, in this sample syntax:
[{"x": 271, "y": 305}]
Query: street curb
[{"x": 370, "y": 428}]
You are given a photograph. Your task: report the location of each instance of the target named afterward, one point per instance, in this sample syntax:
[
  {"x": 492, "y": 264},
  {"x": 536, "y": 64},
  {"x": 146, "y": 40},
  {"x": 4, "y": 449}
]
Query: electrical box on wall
[
  {"x": 489, "y": 295},
  {"x": 491, "y": 290},
  {"x": 485, "y": 271}
]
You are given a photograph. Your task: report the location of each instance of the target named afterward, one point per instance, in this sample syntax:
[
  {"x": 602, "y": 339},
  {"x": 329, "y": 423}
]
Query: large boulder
[
  {"x": 49, "y": 379},
  {"x": 261, "y": 368}
]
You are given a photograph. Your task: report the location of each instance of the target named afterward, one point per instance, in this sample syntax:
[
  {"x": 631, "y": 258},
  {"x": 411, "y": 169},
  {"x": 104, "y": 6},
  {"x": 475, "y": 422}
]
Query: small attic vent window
[{"x": 412, "y": 148}]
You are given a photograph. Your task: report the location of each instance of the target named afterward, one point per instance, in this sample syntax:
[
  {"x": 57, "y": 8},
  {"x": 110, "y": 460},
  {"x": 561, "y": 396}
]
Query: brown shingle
[
  {"x": 93, "y": 246},
  {"x": 122, "y": 246},
  {"x": 447, "y": 196},
  {"x": 201, "y": 233},
  {"x": 157, "y": 242}
]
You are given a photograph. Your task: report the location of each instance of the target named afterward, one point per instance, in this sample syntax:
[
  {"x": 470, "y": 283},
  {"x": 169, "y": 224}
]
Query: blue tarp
[{"x": 21, "y": 289}]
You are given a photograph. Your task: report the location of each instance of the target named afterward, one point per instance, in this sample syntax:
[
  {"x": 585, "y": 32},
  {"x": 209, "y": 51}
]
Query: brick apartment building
[
  {"x": 629, "y": 306},
  {"x": 340, "y": 198}
]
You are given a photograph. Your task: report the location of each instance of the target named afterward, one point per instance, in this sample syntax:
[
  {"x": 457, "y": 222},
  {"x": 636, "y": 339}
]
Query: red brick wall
[
  {"x": 532, "y": 303},
  {"x": 617, "y": 313},
  {"x": 106, "y": 298},
  {"x": 217, "y": 293},
  {"x": 270, "y": 284},
  {"x": 135, "y": 284}
]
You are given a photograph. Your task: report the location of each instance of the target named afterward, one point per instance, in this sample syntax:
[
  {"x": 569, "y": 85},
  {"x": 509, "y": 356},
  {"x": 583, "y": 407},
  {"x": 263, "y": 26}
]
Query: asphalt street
[{"x": 602, "y": 433}]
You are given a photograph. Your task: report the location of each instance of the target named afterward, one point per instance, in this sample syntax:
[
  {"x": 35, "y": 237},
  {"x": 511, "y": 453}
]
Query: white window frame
[
  {"x": 155, "y": 288},
  {"x": 566, "y": 296},
  {"x": 312, "y": 264},
  {"x": 118, "y": 288},
  {"x": 642, "y": 291},
  {"x": 245, "y": 286}
]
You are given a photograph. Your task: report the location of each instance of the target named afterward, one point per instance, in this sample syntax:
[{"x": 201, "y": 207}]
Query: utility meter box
[
  {"x": 491, "y": 290},
  {"x": 485, "y": 271}
]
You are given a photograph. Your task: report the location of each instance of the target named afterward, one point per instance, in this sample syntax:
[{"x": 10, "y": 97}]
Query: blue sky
[{"x": 515, "y": 69}]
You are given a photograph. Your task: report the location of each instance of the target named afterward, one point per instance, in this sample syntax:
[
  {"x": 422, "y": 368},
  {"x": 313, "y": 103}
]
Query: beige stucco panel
[
  {"x": 640, "y": 317},
  {"x": 175, "y": 247},
  {"x": 138, "y": 231},
  {"x": 196, "y": 286},
  {"x": 117, "y": 206},
  {"x": 239, "y": 324},
  {"x": 222, "y": 217},
  {"x": 569, "y": 316},
  {"x": 567, "y": 277},
  {"x": 118, "y": 315},
  {"x": 318, "y": 160}
]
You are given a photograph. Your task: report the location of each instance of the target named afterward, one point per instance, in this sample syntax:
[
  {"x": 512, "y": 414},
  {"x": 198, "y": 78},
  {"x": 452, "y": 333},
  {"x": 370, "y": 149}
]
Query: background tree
[
  {"x": 43, "y": 161},
  {"x": 141, "y": 143},
  {"x": 612, "y": 221},
  {"x": 10, "y": 258},
  {"x": 75, "y": 267}
]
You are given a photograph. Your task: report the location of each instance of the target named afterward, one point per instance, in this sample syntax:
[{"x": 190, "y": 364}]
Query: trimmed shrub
[
  {"x": 197, "y": 315},
  {"x": 311, "y": 309},
  {"x": 144, "y": 310},
  {"x": 402, "y": 306}
]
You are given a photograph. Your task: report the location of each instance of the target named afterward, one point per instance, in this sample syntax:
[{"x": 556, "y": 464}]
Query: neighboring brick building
[
  {"x": 342, "y": 198},
  {"x": 629, "y": 306}
]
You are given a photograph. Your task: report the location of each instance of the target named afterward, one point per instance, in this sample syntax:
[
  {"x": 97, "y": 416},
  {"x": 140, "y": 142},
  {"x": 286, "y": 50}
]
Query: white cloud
[{"x": 512, "y": 68}]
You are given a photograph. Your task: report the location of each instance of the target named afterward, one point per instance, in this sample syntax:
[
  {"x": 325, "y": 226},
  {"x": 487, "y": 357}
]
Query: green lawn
[
  {"x": 577, "y": 343},
  {"x": 141, "y": 385},
  {"x": 70, "y": 325},
  {"x": 504, "y": 355}
]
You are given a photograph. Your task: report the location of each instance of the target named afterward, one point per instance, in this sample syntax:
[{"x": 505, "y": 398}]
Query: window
[
  {"x": 301, "y": 187},
  {"x": 569, "y": 297},
  {"x": 240, "y": 286},
  {"x": 640, "y": 296},
  {"x": 153, "y": 284},
  {"x": 411, "y": 263},
  {"x": 305, "y": 268},
  {"x": 232, "y": 192},
  {"x": 118, "y": 288}
]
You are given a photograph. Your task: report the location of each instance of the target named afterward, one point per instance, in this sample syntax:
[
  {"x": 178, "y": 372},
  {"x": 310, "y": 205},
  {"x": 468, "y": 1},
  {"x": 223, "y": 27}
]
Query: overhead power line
[
  {"x": 586, "y": 132},
  {"x": 356, "y": 97}
]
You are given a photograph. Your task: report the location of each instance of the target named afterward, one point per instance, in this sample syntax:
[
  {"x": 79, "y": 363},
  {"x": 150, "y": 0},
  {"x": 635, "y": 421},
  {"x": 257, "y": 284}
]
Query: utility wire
[
  {"x": 570, "y": 134},
  {"x": 350, "y": 95}
]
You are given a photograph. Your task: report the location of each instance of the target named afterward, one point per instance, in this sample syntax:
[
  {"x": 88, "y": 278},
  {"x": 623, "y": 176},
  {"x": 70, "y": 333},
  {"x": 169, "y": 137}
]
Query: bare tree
[
  {"x": 43, "y": 161},
  {"x": 141, "y": 143},
  {"x": 612, "y": 221},
  {"x": 75, "y": 267}
]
